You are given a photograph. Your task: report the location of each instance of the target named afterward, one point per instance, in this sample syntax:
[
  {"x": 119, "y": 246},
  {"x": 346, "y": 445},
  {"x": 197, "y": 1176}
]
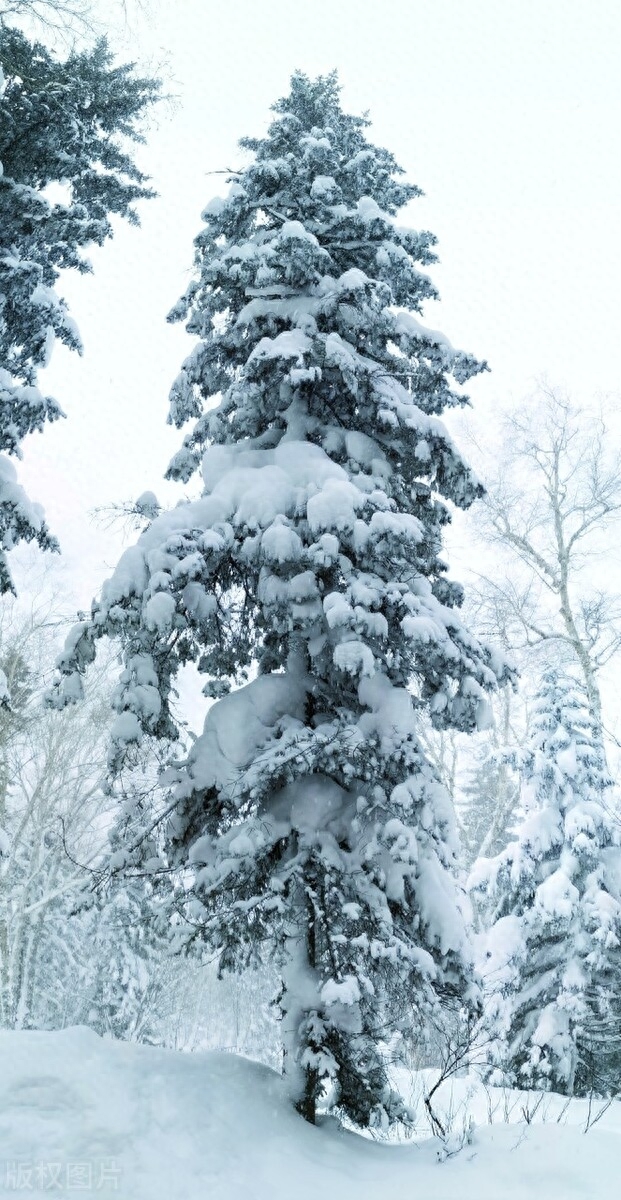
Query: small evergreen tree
[
  {"x": 488, "y": 800},
  {"x": 307, "y": 816},
  {"x": 63, "y": 123},
  {"x": 552, "y": 952},
  {"x": 124, "y": 967}
]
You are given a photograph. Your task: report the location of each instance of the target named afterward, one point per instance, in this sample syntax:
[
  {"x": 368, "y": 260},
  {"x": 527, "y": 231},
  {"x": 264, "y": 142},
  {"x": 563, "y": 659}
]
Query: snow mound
[{"x": 79, "y": 1114}]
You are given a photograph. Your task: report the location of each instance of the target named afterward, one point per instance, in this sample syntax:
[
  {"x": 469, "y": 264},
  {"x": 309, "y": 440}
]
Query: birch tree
[
  {"x": 552, "y": 505},
  {"x": 69, "y": 953},
  {"x": 50, "y": 799}
]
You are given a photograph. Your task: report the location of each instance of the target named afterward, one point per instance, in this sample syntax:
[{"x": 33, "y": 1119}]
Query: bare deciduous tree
[
  {"x": 66, "y": 19},
  {"x": 67, "y": 956},
  {"x": 552, "y": 504},
  {"x": 50, "y": 807}
]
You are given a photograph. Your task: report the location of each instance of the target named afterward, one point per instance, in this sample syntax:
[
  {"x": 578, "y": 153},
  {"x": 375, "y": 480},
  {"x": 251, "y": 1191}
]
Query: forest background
[{"x": 507, "y": 120}]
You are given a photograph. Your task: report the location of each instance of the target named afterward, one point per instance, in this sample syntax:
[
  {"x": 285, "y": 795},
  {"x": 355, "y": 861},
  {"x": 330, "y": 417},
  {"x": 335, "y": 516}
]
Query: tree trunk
[{"x": 307, "y": 1105}]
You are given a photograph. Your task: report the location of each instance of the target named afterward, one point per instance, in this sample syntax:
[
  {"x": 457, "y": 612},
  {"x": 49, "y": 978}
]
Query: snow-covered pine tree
[
  {"x": 313, "y": 826},
  {"x": 65, "y": 124},
  {"x": 489, "y": 797},
  {"x": 124, "y": 968},
  {"x": 553, "y": 964}
]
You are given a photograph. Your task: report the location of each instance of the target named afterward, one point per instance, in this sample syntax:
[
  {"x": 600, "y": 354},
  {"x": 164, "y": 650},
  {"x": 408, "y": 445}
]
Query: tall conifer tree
[{"x": 308, "y": 578}]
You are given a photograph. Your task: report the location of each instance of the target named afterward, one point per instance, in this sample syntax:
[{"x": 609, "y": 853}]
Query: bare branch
[{"x": 552, "y": 503}]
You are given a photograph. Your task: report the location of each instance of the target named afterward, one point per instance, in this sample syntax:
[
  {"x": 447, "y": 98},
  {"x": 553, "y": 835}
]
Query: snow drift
[{"x": 80, "y": 1115}]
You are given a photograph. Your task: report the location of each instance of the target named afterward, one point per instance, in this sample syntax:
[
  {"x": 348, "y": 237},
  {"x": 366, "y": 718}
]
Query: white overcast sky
[{"x": 505, "y": 112}]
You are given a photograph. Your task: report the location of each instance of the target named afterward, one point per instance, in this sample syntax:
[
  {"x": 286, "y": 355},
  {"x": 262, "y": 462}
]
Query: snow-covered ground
[{"x": 80, "y": 1116}]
